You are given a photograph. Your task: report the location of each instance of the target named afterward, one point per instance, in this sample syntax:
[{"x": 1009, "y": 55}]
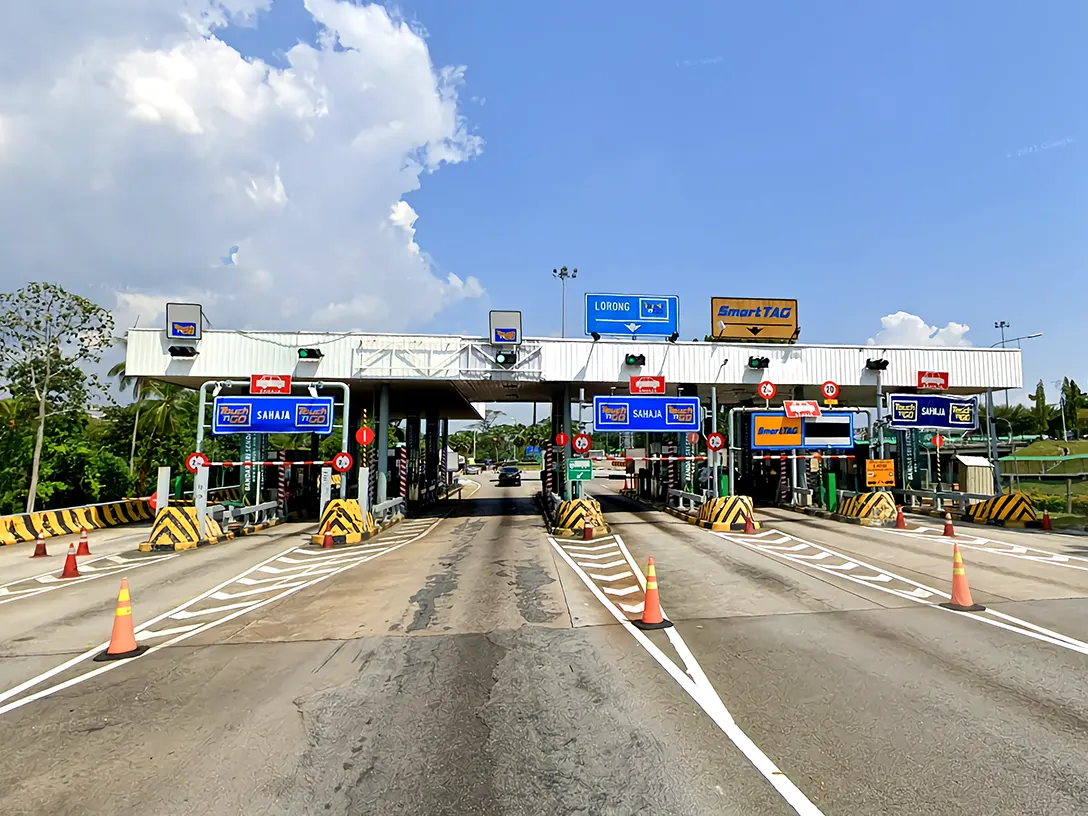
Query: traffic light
[
  {"x": 636, "y": 359},
  {"x": 758, "y": 362},
  {"x": 183, "y": 351},
  {"x": 310, "y": 354},
  {"x": 506, "y": 358},
  {"x": 876, "y": 365}
]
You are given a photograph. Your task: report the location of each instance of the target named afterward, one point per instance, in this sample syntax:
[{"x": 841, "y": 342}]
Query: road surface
[{"x": 468, "y": 665}]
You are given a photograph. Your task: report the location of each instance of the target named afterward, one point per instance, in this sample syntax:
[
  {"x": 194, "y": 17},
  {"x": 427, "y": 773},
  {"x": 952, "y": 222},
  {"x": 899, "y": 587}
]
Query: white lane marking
[
  {"x": 919, "y": 593},
  {"x": 148, "y": 633},
  {"x": 704, "y": 697},
  {"x": 991, "y": 545},
  {"x": 612, "y": 553},
  {"x": 183, "y": 635},
  {"x": 609, "y": 565},
  {"x": 572, "y": 547},
  {"x": 48, "y": 582},
  {"x": 620, "y": 593},
  {"x": 619, "y": 576}
]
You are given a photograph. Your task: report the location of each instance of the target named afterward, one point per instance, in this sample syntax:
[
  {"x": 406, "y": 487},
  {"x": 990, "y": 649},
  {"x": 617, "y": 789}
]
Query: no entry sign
[
  {"x": 364, "y": 436},
  {"x": 561, "y": 439}
]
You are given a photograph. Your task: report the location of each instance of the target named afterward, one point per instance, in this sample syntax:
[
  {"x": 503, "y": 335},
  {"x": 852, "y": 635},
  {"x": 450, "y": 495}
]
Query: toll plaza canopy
[{"x": 453, "y": 374}]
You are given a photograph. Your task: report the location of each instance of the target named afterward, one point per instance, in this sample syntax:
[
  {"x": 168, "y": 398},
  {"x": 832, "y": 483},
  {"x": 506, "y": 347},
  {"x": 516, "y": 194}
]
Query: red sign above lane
[
  {"x": 364, "y": 436},
  {"x": 647, "y": 385},
  {"x": 715, "y": 441},
  {"x": 582, "y": 443},
  {"x": 561, "y": 439},
  {"x": 933, "y": 379},
  {"x": 270, "y": 384},
  {"x": 830, "y": 390},
  {"x": 802, "y": 408},
  {"x": 767, "y": 390}
]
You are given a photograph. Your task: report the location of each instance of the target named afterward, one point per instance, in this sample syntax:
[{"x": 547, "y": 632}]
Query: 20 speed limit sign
[
  {"x": 341, "y": 463},
  {"x": 767, "y": 390},
  {"x": 830, "y": 390},
  {"x": 581, "y": 443}
]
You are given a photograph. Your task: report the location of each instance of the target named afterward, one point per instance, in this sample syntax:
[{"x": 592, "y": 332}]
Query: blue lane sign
[
  {"x": 932, "y": 412},
  {"x": 279, "y": 414},
  {"x": 632, "y": 314},
  {"x": 653, "y": 414}
]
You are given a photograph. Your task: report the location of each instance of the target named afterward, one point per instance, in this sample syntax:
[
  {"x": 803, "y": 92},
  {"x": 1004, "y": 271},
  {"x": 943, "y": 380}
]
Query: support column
[
  {"x": 382, "y": 420},
  {"x": 445, "y": 466},
  {"x": 565, "y": 407},
  {"x": 991, "y": 432},
  {"x": 411, "y": 442},
  {"x": 431, "y": 456}
]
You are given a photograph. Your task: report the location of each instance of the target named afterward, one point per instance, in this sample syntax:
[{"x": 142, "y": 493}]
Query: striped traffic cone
[
  {"x": 326, "y": 542},
  {"x": 1046, "y": 520},
  {"x": 749, "y": 527},
  {"x": 39, "y": 547},
  {"x": 71, "y": 569},
  {"x": 949, "y": 530},
  {"x": 123, "y": 640},
  {"x": 652, "y": 617},
  {"x": 961, "y": 593},
  {"x": 900, "y": 521},
  {"x": 84, "y": 546}
]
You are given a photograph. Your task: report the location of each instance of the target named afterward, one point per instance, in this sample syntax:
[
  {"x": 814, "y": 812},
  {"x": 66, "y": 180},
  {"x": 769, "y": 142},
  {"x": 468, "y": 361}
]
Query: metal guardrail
[
  {"x": 685, "y": 500},
  {"x": 386, "y": 509},
  {"x": 252, "y": 515}
]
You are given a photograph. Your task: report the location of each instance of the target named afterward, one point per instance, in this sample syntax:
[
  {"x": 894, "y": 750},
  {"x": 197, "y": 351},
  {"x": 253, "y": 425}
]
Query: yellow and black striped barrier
[
  {"x": 869, "y": 509},
  {"x": 178, "y": 528},
  {"x": 574, "y": 516},
  {"x": 1009, "y": 510},
  {"x": 727, "y": 514},
  {"x": 49, "y": 523},
  {"x": 343, "y": 519}
]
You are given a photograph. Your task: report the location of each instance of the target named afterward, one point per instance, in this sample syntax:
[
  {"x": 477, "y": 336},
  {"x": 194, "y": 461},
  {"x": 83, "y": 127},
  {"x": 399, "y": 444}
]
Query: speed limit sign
[
  {"x": 341, "y": 463},
  {"x": 195, "y": 461},
  {"x": 767, "y": 390},
  {"x": 715, "y": 441},
  {"x": 581, "y": 443},
  {"x": 830, "y": 390}
]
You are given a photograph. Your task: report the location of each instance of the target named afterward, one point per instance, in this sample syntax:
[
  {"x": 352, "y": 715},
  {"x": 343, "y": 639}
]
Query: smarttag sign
[
  {"x": 253, "y": 414},
  {"x": 655, "y": 315},
  {"x": 938, "y": 413},
  {"x": 776, "y": 431},
  {"x": 652, "y": 414},
  {"x": 753, "y": 319}
]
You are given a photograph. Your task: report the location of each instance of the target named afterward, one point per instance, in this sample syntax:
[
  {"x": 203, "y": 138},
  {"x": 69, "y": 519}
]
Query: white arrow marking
[
  {"x": 226, "y": 596},
  {"x": 619, "y": 576},
  {"x": 609, "y": 565},
  {"x": 622, "y": 592},
  {"x": 632, "y": 608},
  {"x": 882, "y": 577},
  {"x": 632, "y": 327},
  {"x": 177, "y": 630},
  {"x": 197, "y": 613},
  {"x": 598, "y": 556},
  {"x": 569, "y": 547}
]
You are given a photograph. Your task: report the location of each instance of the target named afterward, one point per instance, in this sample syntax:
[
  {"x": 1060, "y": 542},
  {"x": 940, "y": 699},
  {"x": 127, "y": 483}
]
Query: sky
[{"x": 910, "y": 173}]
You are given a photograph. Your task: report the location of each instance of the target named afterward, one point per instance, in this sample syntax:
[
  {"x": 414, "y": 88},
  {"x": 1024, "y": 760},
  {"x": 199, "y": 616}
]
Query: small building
[{"x": 975, "y": 474}]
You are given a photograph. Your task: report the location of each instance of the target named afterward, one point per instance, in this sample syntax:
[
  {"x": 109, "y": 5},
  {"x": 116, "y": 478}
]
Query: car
[
  {"x": 509, "y": 475},
  {"x": 471, "y": 470}
]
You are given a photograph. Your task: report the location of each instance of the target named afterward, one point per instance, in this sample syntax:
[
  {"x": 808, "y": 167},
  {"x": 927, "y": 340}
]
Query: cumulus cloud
[
  {"x": 135, "y": 146},
  {"x": 906, "y": 329}
]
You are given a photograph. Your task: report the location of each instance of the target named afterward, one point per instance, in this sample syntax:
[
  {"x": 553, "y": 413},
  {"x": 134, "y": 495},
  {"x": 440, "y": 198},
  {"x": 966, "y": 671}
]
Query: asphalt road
[{"x": 464, "y": 667}]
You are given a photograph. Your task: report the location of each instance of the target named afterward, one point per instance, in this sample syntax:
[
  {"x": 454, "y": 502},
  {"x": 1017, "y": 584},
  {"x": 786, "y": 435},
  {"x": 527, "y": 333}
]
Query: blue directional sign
[
  {"x": 278, "y": 414},
  {"x": 632, "y": 314},
  {"x": 653, "y": 414},
  {"x": 936, "y": 413}
]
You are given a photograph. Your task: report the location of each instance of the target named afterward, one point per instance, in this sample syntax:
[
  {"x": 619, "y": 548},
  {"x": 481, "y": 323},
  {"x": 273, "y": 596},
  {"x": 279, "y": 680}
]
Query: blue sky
[{"x": 863, "y": 158}]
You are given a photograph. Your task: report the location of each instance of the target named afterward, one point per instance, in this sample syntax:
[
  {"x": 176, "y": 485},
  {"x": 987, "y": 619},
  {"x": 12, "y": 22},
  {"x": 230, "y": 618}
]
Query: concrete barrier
[
  {"x": 1010, "y": 510},
  {"x": 343, "y": 519},
  {"x": 869, "y": 509},
  {"x": 68, "y": 521},
  {"x": 573, "y": 516},
  {"x": 727, "y": 514},
  {"x": 178, "y": 528}
]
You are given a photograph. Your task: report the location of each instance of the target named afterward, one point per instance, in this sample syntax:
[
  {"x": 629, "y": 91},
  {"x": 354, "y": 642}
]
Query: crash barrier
[
  {"x": 343, "y": 519},
  {"x": 579, "y": 517},
  {"x": 685, "y": 502},
  {"x": 727, "y": 514},
  {"x": 254, "y": 517},
  {"x": 936, "y": 502},
  {"x": 1010, "y": 510},
  {"x": 48, "y": 523},
  {"x": 178, "y": 528},
  {"x": 870, "y": 509},
  {"x": 386, "y": 512}
]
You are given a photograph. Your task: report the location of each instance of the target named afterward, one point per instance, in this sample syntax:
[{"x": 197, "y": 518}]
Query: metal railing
[
  {"x": 250, "y": 516},
  {"x": 387, "y": 509},
  {"x": 941, "y": 498},
  {"x": 685, "y": 500}
]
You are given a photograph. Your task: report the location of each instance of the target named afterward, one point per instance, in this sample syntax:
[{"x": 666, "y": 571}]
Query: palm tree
[
  {"x": 126, "y": 382},
  {"x": 168, "y": 409}
]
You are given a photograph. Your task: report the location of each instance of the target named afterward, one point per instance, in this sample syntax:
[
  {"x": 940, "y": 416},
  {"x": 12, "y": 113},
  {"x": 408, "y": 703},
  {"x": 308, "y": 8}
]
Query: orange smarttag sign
[{"x": 776, "y": 431}]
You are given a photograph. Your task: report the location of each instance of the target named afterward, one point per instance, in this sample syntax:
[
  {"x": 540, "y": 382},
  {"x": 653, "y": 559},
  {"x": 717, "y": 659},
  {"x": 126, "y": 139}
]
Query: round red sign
[
  {"x": 582, "y": 443},
  {"x": 938, "y": 440},
  {"x": 196, "y": 460},
  {"x": 364, "y": 436},
  {"x": 341, "y": 463},
  {"x": 830, "y": 390},
  {"x": 715, "y": 441},
  {"x": 767, "y": 390},
  {"x": 561, "y": 438},
  {"x": 693, "y": 438}
]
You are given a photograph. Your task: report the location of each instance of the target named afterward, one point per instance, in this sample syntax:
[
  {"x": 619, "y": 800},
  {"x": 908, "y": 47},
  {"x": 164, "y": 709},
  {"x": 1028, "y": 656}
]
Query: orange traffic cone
[
  {"x": 749, "y": 527},
  {"x": 651, "y": 608},
  {"x": 71, "y": 569},
  {"x": 39, "y": 547},
  {"x": 587, "y": 531},
  {"x": 961, "y": 593},
  {"x": 84, "y": 545},
  {"x": 900, "y": 522},
  {"x": 123, "y": 640},
  {"x": 949, "y": 530},
  {"x": 1046, "y": 520},
  {"x": 326, "y": 542}
]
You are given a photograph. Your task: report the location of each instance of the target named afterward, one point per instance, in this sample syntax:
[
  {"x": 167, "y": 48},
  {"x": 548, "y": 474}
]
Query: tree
[
  {"x": 1040, "y": 413},
  {"x": 126, "y": 382},
  {"x": 46, "y": 335}
]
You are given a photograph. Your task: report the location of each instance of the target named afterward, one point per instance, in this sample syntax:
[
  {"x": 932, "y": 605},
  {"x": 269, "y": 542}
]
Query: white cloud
[
  {"x": 906, "y": 329},
  {"x": 135, "y": 147}
]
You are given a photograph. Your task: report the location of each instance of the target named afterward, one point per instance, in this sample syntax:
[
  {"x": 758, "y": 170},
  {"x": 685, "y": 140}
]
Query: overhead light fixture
[
  {"x": 635, "y": 359},
  {"x": 757, "y": 363},
  {"x": 876, "y": 365},
  {"x": 310, "y": 354},
  {"x": 506, "y": 358},
  {"x": 674, "y": 337},
  {"x": 183, "y": 351},
  {"x": 595, "y": 335}
]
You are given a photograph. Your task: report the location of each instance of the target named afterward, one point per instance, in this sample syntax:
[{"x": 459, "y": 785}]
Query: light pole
[{"x": 563, "y": 273}]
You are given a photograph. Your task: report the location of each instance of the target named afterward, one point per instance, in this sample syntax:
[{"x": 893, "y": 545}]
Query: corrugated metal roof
[
  {"x": 974, "y": 461},
  {"x": 359, "y": 356}
]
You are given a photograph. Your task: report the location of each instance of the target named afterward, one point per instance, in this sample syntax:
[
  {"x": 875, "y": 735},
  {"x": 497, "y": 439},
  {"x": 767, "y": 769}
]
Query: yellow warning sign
[
  {"x": 753, "y": 319},
  {"x": 880, "y": 473}
]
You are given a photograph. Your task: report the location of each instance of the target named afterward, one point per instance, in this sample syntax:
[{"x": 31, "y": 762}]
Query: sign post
[
  {"x": 651, "y": 315},
  {"x": 162, "y": 489},
  {"x": 767, "y": 390},
  {"x": 326, "y": 489},
  {"x": 200, "y": 500}
]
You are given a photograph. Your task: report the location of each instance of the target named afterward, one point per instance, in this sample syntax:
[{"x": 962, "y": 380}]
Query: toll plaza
[{"x": 732, "y": 414}]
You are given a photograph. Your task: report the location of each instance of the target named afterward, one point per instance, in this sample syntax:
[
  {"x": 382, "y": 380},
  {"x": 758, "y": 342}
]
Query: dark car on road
[{"x": 509, "y": 475}]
